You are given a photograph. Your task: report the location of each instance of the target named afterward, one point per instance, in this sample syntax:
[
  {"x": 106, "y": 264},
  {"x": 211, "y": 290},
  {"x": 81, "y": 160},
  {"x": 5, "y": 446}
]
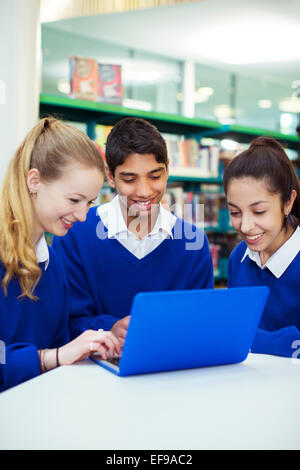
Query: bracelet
[
  {"x": 57, "y": 361},
  {"x": 43, "y": 360}
]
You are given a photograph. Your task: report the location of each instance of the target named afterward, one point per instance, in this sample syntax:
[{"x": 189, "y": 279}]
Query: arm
[
  {"x": 283, "y": 342},
  {"x": 84, "y": 313},
  {"x": 202, "y": 274},
  {"x": 21, "y": 363}
]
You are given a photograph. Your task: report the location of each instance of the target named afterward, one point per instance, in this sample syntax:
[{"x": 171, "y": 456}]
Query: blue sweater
[
  {"x": 27, "y": 325},
  {"x": 104, "y": 276},
  {"x": 279, "y": 329}
]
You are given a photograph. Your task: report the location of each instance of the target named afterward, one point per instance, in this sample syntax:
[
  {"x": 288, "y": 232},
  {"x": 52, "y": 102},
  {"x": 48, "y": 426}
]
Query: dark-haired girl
[{"x": 263, "y": 198}]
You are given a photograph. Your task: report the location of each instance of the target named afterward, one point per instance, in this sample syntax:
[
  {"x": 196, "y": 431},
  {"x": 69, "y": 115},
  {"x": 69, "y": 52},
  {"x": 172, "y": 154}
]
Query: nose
[
  {"x": 80, "y": 213},
  {"x": 247, "y": 223},
  {"x": 143, "y": 189}
]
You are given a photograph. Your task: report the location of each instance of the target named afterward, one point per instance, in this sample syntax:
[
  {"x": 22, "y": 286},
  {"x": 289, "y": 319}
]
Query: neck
[
  {"x": 140, "y": 225},
  {"x": 38, "y": 233}
]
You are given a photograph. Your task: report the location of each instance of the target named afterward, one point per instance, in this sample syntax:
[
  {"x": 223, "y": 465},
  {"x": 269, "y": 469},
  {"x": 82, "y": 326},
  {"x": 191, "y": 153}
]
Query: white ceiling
[{"x": 207, "y": 31}]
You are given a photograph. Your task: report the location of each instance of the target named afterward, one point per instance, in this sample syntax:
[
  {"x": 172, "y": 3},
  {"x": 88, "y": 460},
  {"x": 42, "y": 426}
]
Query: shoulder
[{"x": 238, "y": 252}]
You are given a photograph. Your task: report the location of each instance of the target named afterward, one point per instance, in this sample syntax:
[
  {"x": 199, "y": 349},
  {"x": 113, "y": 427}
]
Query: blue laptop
[{"x": 186, "y": 329}]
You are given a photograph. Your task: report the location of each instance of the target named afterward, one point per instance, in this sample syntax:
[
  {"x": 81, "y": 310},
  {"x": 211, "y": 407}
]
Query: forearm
[
  {"x": 91, "y": 322},
  {"x": 21, "y": 363},
  {"x": 283, "y": 342}
]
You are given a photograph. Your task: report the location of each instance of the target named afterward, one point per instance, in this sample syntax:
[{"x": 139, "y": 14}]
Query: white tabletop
[{"x": 252, "y": 405}]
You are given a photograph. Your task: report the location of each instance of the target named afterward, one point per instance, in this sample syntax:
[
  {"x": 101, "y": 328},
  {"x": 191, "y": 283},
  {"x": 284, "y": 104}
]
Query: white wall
[{"x": 20, "y": 53}]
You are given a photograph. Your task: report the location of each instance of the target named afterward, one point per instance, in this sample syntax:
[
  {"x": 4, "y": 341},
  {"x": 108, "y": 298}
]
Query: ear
[
  {"x": 33, "y": 180},
  {"x": 110, "y": 177},
  {"x": 168, "y": 166},
  {"x": 289, "y": 204}
]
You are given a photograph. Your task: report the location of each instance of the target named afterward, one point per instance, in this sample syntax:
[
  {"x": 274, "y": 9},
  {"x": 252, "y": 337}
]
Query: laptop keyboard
[{"x": 114, "y": 360}]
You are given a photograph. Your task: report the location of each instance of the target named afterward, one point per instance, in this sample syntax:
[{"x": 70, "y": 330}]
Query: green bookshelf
[{"x": 101, "y": 113}]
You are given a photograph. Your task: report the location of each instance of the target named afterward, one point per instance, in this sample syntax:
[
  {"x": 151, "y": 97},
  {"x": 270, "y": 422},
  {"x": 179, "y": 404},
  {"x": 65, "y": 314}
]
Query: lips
[
  {"x": 253, "y": 239},
  {"x": 66, "y": 223},
  {"x": 144, "y": 205}
]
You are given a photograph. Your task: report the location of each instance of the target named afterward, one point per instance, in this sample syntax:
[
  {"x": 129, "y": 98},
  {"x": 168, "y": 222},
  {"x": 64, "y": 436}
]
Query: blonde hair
[{"x": 48, "y": 147}]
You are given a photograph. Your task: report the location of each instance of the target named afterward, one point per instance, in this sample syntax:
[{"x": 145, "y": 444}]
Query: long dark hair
[{"x": 266, "y": 159}]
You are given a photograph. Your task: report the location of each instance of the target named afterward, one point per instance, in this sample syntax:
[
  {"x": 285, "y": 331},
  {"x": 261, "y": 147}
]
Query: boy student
[{"x": 131, "y": 244}]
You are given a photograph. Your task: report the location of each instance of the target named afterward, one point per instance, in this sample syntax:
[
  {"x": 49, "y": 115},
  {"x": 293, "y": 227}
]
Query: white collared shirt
[
  {"x": 42, "y": 252},
  {"x": 281, "y": 259},
  {"x": 112, "y": 217}
]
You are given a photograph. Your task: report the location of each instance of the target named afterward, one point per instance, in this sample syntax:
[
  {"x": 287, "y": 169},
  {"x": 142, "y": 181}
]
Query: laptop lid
[{"x": 193, "y": 328}]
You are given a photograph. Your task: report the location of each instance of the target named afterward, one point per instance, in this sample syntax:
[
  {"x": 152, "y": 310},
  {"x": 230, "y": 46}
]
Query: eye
[
  {"x": 74, "y": 201},
  {"x": 234, "y": 213},
  {"x": 129, "y": 181},
  {"x": 91, "y": 203},
  {"x": 259, "y": 212},
  {"x": 155, "y": 177}
]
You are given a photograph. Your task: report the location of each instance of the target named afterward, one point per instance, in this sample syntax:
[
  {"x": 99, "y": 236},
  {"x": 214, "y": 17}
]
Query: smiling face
[
  {"x": 60, "y": 203},
  {"x": 140, "y": 182},
  {"x": 258, "y": 215}
]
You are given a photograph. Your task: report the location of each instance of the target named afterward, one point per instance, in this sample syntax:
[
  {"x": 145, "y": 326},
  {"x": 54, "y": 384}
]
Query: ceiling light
[
  {"x": 265, "y": 104},
  {"x": 223, "y": 111},
  {"x": 63, "y": 86},
  {"x": 290, "y": 105},
  {"x": 198, "y": 98},
  {"x": 205, "y": 91}
]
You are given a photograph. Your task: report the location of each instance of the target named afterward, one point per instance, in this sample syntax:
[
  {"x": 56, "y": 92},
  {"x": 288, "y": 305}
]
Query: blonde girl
[{"x": 50, "y": 184}]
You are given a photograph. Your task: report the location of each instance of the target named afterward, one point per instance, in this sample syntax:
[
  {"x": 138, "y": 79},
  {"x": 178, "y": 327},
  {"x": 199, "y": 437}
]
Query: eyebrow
[
  {"x": 129, "y": 173},
  {"x": 251, "y": 205},
  {"x": 82, "y": 196}
]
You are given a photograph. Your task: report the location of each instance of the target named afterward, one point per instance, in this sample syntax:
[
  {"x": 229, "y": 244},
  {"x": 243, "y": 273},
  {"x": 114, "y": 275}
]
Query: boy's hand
[{"x": 119, "y": 329}]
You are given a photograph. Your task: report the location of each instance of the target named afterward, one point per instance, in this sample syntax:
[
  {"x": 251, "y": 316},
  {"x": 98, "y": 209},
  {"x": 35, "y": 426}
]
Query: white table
[{"x": 252, "y": 405}]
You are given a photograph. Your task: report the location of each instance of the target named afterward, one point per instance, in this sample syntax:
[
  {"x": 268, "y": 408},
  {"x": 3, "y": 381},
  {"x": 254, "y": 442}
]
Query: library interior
[{"x": 211, "y": 76}]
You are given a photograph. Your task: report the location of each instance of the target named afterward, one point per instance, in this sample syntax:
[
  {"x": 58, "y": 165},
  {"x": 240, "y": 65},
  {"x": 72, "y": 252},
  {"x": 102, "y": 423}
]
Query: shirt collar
[
  {"x": 112, "y": 217},
  {"x": 282, "y": 258},
  {"x": 42, "y": 252}
]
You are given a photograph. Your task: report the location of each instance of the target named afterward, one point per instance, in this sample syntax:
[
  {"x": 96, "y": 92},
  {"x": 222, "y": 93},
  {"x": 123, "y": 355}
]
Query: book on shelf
[
  {"x": 201, "y": 209},
  {"x": 189, "y": 157},
  {"x": 110, "y": 84},
  {"x": 101, "y": 133},
  {"x": 83, "y": 78},
  {"x": 90, "y": 80}
]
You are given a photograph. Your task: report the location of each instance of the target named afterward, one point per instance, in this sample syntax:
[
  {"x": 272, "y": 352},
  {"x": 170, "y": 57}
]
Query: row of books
[
  {"x": 189, "y": 153},
  {"x": 204, "y": 209},
  {"x": 90, "y": 80},
  {"x": 187, "y": 156}
]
